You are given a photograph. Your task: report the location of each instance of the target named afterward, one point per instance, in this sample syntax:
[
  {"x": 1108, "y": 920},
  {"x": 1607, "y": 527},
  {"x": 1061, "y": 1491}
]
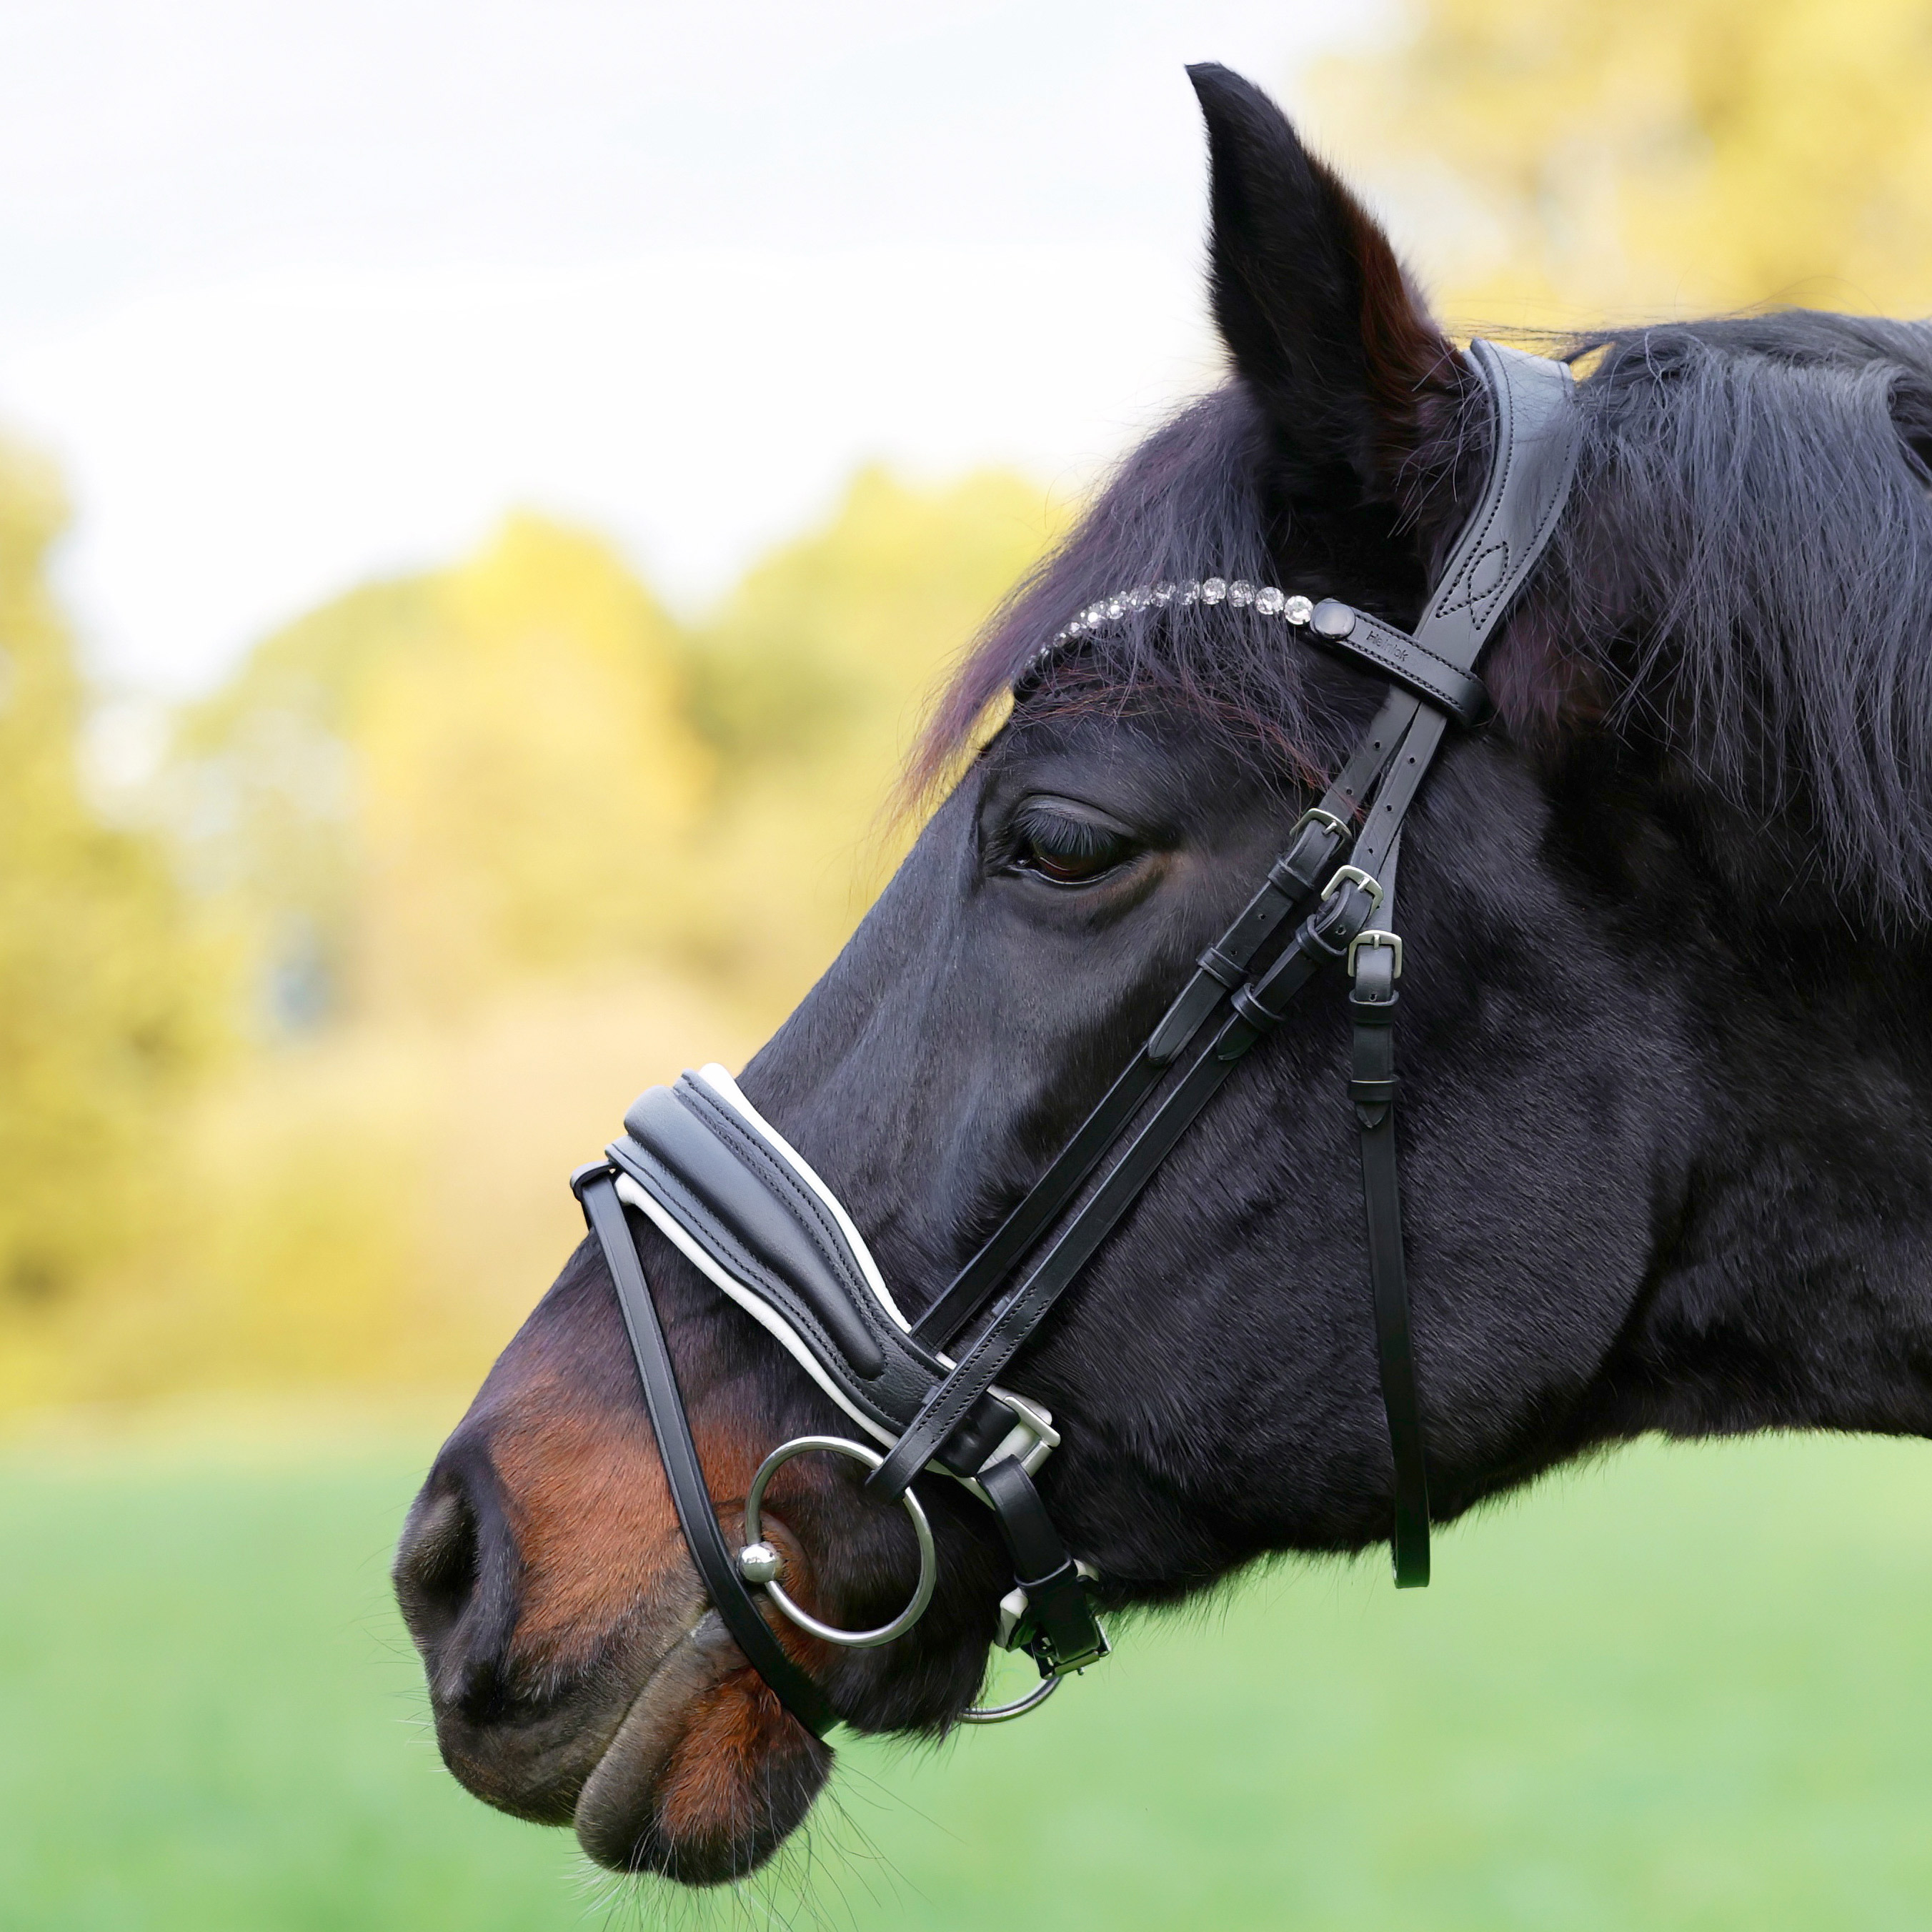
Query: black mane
[
  {"x": 1751, "y": 569},
  {"x": 1745, "y": 578}
]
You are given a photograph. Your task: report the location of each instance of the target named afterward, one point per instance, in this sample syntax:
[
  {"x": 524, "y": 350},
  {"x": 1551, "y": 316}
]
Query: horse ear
[{"x": 1316, "y": 312}]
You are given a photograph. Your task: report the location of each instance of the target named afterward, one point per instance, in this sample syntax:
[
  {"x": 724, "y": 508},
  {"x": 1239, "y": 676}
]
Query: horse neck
[{"x": 1794, "y": 1287}]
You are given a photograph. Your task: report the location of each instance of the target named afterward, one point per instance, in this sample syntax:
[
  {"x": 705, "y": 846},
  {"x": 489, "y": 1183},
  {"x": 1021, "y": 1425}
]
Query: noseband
[{"x": 750, "y": 1215}]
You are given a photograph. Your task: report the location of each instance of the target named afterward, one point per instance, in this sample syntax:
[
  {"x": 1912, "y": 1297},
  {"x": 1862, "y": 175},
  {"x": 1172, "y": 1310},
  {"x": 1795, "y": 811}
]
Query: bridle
[
  {"x": 749, "y": 1213},
  {"x": 746, "y": 1208}
]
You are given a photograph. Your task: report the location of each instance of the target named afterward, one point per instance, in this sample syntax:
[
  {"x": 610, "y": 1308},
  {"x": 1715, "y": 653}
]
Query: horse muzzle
[{"x": 647, "y": 1731}]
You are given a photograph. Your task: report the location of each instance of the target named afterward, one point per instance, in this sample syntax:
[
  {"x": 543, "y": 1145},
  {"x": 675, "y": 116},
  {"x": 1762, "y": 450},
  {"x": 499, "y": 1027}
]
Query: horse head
[{"x": 1665, "y": 1120}]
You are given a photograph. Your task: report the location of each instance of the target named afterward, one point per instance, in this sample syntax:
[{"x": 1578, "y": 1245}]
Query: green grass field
[{"x": 1691, "y": 1688}]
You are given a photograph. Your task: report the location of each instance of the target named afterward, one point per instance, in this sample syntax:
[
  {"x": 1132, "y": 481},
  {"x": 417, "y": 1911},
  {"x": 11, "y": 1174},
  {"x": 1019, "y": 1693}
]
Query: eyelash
[{"x": 1064, "y": 851}]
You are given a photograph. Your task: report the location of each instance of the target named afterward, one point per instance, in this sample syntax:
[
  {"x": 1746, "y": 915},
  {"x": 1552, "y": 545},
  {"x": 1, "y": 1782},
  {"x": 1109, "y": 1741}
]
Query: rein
[{"x": 744, "y": 1207}]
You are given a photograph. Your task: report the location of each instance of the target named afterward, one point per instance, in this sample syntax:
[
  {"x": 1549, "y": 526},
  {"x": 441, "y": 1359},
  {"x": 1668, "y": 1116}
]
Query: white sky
[{"x": 298, "y": 293}]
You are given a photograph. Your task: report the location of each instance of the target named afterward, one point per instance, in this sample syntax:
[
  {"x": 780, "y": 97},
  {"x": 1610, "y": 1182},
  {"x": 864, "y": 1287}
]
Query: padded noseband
[{"x": 716, "y": 1178}]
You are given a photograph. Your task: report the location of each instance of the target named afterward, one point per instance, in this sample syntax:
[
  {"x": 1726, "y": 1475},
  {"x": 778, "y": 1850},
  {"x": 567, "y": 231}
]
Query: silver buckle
[
  {"x": 1352, "y": 875},
  {"x": 1013, "y": 1605},
  {"x": 1315, "y": 815},
  {"x": 1373, "y": 935},
  {"x": 1031, "y": 1440}
]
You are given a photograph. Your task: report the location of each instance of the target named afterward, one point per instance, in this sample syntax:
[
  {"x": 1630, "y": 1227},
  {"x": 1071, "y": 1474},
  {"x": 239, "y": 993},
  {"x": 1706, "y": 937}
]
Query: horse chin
[{"x": 707, "y": 1775}]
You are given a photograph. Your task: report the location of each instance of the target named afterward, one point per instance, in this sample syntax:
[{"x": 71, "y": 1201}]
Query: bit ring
[
  {"x": 753, "y": 1560},
  {"x": 1004, "y": 1714}
]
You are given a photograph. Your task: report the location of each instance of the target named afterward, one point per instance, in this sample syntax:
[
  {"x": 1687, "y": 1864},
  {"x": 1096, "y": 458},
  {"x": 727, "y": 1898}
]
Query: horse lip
[
  {"x": 537, "y": 1769},
  {"x": 613, "y": 1809}
]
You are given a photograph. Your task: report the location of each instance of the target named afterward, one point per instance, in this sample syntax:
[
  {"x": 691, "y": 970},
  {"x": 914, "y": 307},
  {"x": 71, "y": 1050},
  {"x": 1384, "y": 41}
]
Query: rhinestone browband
[
  {"x": 1377, "y": 646},
  {"x": 1265, "y": 599}
]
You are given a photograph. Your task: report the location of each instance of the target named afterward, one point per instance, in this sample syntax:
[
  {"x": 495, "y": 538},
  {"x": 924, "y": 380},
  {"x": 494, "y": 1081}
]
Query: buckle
[
  {"x": 1315, "y": 815},
  {"x": 1352, "y": 875},
  {"x": 1052, "y": 1666},
  {"x": 1373, "y": 935},
  {"x": 1018, "y": 1632},
  {"x": 1287, "y": 874},
  {"x": 1032, "y": 1439}
]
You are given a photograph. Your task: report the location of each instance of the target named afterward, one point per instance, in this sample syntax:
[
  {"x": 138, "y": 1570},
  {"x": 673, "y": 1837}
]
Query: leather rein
[{"x": 744, "y": 1207}]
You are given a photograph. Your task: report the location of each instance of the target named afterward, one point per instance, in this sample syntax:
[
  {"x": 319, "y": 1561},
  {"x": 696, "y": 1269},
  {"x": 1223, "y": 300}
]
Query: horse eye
[{"x": 1065, "y": 851}]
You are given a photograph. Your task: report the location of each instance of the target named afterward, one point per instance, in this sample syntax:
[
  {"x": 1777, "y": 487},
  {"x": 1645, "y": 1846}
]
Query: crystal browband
[
  {"x": 1239, "y": 594},
  {"x": 1338, "y": 626}
]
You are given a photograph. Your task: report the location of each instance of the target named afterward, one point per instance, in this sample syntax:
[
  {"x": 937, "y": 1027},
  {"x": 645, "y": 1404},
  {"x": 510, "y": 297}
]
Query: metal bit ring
[
  {"x": 1004, "y": 1714},
  {"x": 753, "y": 1559}
]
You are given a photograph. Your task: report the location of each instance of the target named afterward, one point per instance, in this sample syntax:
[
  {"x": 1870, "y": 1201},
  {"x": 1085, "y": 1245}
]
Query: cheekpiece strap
[{"x": 596, "y": 1189}]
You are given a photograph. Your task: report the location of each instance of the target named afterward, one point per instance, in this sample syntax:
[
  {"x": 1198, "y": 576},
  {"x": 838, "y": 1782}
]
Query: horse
[{"x": 1665, "y": 1123}]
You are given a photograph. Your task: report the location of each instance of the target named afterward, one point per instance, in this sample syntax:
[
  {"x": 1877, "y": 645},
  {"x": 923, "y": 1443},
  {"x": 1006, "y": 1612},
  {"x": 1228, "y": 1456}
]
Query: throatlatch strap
[
  {"x": 596, "y": 1189},
  {"x": 1373, "y": 998}
]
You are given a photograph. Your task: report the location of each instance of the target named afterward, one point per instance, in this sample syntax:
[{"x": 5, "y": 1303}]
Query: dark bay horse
[{"x": 1667, "y": 1050}]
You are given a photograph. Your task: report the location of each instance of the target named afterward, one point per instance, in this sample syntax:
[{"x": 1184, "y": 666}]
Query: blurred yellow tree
[
  {"x": 430, "y": 789},
  {"x": 504, "y": 845},
  {"x": 530, "y": 779},
  {"x": 520, "y": 769},
  {"x": 105, "y": 1004},
  {"x": 813, "y": 680},
  {"x": 1564, "y": 161}
]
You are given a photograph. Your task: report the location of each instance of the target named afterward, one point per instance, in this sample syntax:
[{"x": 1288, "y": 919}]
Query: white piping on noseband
[
  {"x": 1032, "y": 1441},
  {"x": 760, "y": 1310},
  {"x": 715, "y": 1077}
]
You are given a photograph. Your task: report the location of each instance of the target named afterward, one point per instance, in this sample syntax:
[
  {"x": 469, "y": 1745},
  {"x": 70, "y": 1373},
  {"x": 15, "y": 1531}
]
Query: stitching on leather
[
  {"x": 900, "y": 1350},
  {"x": 686, "y": 1207},
  {"x": 711, "y": 1233},
  {"x": 1394, "y": 653},
  {"x": 1534, "y": 547},
  {"x": 1476, "y": 563},
  {"x": 1472, "y": 548},
  {"x": 951, "y": 1410},
  {"x": 1506, "y": 428},
  {"x": 1379, "y": 652},
  {"x": 1558, "y": 498},
  {"x": 727, "y": 1127},
  {"x": 950, "y": 1413},
  {"x": 827, "y": 1236},
  {"x": 1474, "y": 538}
]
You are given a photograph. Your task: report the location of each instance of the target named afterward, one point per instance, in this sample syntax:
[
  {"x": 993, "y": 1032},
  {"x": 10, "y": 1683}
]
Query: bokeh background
[{"x": 484, "y": 495}]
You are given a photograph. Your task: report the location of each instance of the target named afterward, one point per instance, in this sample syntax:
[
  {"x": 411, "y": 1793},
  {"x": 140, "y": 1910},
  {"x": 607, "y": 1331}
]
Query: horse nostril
[
  {"x": 505, "y": 1720},
  {"x": 456, "y": 1576},
  {"x": 436, "y": 1568}
]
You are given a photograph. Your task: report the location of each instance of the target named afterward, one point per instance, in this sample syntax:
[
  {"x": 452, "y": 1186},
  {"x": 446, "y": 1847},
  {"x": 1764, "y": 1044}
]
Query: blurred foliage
[
  {"x": 522, "y": 769},
  {"x": 489, "y": 849},
  {"x": 1564, "y": 162},
  {"x": 812, "y": 682},
  {"x": 429, "y": 790},
  {"x": 105, "y": 1005}
]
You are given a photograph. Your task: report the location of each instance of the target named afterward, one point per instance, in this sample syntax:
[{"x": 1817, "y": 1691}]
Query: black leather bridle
[{"x": 725, "y": 1188}]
